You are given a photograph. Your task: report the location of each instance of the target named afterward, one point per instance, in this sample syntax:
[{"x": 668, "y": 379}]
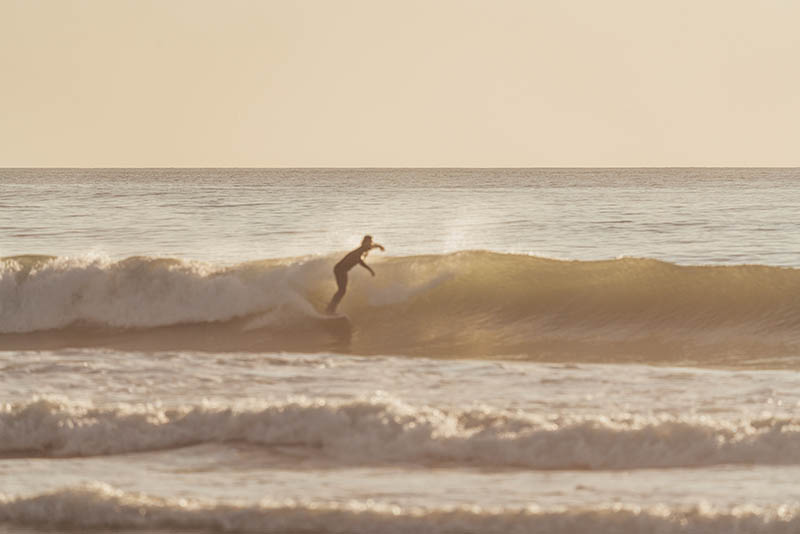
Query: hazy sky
[{"x": 399, "y": 83}]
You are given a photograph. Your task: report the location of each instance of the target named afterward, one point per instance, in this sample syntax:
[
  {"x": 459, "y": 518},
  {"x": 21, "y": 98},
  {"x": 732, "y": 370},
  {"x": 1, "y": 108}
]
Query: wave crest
[
  {"x": 380, "y": 430},
  {"x": 98, "y": 505},
  {"x": 463, "y": 304}
]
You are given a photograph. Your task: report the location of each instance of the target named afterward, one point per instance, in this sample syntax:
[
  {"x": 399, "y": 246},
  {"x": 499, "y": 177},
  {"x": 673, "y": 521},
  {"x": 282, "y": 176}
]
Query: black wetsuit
[{"x": 340, "y": 270}]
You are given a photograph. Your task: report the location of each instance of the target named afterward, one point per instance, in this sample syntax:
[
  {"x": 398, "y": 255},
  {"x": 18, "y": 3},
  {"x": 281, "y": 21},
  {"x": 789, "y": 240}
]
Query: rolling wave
[
  {"x": 381, "y": 431},
  {"x": 473, "y": 304},
  {"x": 98, "y": 505}
]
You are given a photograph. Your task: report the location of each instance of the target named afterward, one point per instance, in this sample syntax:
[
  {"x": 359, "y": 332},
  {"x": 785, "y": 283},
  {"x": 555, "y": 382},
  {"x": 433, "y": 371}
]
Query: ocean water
[{"x": 541, "y": 350}]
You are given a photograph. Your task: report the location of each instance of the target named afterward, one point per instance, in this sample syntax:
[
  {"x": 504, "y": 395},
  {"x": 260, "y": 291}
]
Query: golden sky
[{"x": 461, "y": 83}]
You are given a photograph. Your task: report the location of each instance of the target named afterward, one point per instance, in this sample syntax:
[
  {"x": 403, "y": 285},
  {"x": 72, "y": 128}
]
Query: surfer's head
[{"x": 367, "y": 241}]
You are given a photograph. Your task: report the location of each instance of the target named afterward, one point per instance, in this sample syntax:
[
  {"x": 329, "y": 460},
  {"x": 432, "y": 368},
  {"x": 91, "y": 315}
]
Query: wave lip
[
  {"x": 99, "y": 505},
  {"x": 472, "y": 303},
  {"x": 381, "y": 431}
]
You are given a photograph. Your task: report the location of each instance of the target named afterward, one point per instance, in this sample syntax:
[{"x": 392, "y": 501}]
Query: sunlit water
[
  {"x": 231, "y": 215},
  {"x": 255, "y": 441}
]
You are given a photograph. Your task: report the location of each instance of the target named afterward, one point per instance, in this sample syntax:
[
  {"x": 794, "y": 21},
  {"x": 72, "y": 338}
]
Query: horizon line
[{"x": 446, "y": 167}]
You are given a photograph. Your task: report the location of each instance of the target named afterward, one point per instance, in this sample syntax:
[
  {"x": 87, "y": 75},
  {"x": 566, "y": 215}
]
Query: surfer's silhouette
[{"x": 356, "y": 257}]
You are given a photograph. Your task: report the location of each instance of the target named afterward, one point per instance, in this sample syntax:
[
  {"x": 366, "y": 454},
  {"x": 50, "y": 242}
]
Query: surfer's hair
[{"x": 367, "y": 239}]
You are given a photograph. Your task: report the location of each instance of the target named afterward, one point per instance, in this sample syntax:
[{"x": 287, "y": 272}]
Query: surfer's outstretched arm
[{"x": 367, "y": 267}]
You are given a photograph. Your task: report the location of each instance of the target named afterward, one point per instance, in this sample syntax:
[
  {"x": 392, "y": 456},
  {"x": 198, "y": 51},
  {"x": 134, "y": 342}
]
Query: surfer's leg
[{"x": 341, "y": 281}]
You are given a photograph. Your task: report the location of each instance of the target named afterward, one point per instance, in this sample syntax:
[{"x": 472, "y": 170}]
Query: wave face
[
  {"x": 98, "y": 505},
  {"x": 473, "y": 303},
  {"x": 382, "y": 431}
]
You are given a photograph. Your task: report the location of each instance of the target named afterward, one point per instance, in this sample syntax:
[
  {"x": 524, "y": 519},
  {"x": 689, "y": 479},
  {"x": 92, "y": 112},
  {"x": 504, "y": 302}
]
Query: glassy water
[{"x": 230, "y": 215}]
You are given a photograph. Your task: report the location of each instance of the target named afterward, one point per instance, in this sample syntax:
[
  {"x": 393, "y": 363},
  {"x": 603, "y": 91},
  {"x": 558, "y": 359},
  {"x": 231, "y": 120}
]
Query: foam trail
[
  {"x": 99, "y": 505},
  {"x": 381, "y": 431}
]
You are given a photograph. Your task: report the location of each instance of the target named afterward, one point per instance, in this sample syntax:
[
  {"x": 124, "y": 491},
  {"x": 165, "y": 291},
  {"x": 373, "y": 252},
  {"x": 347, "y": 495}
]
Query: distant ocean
[{"x": 541, "y": 350}]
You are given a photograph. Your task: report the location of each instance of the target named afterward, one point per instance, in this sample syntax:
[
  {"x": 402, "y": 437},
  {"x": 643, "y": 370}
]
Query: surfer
[{"x": 352, "y": 259}]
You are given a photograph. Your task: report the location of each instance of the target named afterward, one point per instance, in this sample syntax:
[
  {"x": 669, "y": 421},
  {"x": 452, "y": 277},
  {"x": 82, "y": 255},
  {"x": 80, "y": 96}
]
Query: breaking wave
[
  {"x": 474, "y": 304},
  {"x": 382, "y": 431},
  {"x": 98, "y": 505}
]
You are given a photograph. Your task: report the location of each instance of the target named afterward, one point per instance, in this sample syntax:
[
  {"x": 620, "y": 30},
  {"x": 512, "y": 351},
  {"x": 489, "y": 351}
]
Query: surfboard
[
  {"x": 338, "y": 324},
  {"x": 336, "y": 317}
]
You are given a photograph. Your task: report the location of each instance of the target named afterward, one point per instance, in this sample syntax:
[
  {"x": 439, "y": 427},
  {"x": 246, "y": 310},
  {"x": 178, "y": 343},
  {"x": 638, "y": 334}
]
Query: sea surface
[{"x": 540, "y": 351}]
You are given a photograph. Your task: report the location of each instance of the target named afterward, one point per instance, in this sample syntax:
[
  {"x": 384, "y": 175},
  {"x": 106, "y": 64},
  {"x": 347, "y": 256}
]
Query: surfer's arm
[
  {"x": 375, "y": 245},
  {"x": 364, "y": 265}
]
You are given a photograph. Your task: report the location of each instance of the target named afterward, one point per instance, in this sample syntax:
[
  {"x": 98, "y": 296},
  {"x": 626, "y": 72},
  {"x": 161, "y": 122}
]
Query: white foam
[
  {"x": 381, "y": 430},
  {"x": 466, "y": 304},
  {"x": 143, "y": 292},
  {"x": 98, "y": 505}
]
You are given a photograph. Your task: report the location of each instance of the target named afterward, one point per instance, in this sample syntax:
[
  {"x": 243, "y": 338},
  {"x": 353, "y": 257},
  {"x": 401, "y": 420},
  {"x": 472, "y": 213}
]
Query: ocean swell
[
  {"x": 474, "y": 304},
  {"x": 98, "y": 505},
  {"x": 382, "y": 431}
]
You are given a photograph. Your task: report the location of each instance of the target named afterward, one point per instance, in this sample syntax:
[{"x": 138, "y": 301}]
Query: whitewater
[
  {"x": 541, "y": 350},
  {"x": 477, "y": 304}
]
